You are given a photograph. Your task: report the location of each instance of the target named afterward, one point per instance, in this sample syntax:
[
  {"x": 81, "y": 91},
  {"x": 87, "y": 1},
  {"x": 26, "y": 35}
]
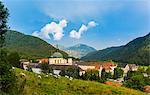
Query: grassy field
[{"x": 63, "y": 86}]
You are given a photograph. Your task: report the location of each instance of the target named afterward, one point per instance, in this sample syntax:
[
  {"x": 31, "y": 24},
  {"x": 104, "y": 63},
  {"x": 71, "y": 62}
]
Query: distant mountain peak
[{"x": 78, "y": 50}]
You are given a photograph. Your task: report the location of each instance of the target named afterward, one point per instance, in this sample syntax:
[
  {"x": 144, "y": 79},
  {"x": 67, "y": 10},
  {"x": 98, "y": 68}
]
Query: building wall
[
  {"x": 83, "y": 67},
  {"x": 70, "y": 60},
  {"x": 57, "y": 61},
  {"x": 126, "y": 69}
]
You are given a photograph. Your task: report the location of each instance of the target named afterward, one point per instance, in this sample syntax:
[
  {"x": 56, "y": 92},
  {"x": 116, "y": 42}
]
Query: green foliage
[
  {"x": 131, "y": 74},
  {"x": 118, "y": 73},
  {"x": 14, "y": 59},
  {"x": 62, "y": 73},
  {"x": 135, "y": 82},
  {"x": 46, "y": 68},
  {"x": 71, "y": 72},
  {"x": 148, "y": 70},
  {"x": 29, "y": 68},
  {"x": 63, "y": 86},
  {"x": 7, "y": 79},
  {"x": 104, "y": 75},
  {"x": 141, "y": 69},
  {"x": 136, "y": 51},
  {"x": 29, "y": 47},
  {"x": 109, "y": 75},
  {"x": 3, "y": 23},
  {"x": 92, "y": 75}
]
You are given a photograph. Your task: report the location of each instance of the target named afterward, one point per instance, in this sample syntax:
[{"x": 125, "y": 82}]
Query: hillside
[
  {"x": 63, "y": 86},
  {"x": 78, "y": 50},
  {"x": 136, "y": 51},
  {"x": 29, "y": 46}
]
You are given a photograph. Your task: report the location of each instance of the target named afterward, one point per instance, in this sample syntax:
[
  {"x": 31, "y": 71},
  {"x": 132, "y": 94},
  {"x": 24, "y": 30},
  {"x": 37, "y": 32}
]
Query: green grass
[
  {"x": 64, "y": 86},
  {"x": 145, "y": 67}
]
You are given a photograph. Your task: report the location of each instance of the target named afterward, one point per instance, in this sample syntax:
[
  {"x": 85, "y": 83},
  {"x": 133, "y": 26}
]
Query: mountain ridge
[
  {"x": 29, "y": 46},
  {"x": 136, "y": 51}
]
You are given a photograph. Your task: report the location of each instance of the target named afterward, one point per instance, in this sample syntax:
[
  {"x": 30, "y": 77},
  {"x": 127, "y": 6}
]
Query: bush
[
  {"x": 46, "y": 68},
  {"x": 135, "y": 82},
  {"x": 118, "y": 73},
  {"x": 8, "y": 78},
  {"x": 29, "y": 68},
  {"x": 14, "y": 59},
  {"x": 71, "y": 72},
  {"x": 148, "y": 70}
]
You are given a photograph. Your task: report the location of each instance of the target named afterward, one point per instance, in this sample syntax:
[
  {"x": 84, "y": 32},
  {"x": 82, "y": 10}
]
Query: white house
[{"x": 58, "y": 59}]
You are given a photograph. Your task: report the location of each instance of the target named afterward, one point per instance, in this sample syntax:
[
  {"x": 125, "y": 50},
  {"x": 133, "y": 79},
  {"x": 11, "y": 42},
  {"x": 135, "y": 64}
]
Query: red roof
[
  {"x": 147, "y": 89},
  {"x": 105, "y": 65},
  {"x": 44, "y": 60}
]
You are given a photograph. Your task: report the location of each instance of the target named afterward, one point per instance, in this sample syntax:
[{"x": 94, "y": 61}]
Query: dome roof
[{"x": 57, "y": 55}]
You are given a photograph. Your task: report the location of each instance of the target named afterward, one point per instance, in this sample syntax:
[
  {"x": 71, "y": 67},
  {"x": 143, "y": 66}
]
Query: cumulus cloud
[
  {"x": 77, "y": 34},
  {"x": 56, "y": 30}
]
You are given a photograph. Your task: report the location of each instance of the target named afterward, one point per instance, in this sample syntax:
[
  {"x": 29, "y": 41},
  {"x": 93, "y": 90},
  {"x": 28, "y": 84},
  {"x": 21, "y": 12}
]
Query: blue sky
[{"x": 98, "y": 23}]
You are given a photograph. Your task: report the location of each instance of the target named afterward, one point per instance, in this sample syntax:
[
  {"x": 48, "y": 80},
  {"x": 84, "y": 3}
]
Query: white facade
[
  {"x": 60, "y": 61},
  {"x": 57, "y": 58},
  {"x": 84, "y": 67}
]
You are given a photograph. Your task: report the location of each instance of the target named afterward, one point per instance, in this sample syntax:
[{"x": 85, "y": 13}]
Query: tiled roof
[
  {"x": 132, "y": 66},
  {"x": 44, "y": 60},
  {"x": 105, "y": 65}
]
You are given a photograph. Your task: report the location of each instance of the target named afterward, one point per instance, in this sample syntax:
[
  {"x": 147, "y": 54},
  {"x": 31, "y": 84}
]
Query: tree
[
  {"x": 103, "y": 75},
  {"x": 46, "y": 68},
  {"x": 118, "y": 73},
  {"x": 108, "y": 75},
  {"x": 71, "y": 72},
  {"x": 135, "y": 82},
  {"x": 29, "y": 68},
  {"x": 3, "y": 23},
  {"x": 7, "y": 79},
  {"x": 131, "y": 74},
  {"x": 62, "y": 73},
  {"x": 141, "y": 69},
  {"x": 14, "y": 59},
  {"x": 148, "y": 70}
]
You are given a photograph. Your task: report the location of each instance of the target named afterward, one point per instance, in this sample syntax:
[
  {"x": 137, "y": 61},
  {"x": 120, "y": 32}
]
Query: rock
[
  {"x": 71, "y": 78},
  {"x": 39, "y": 77},
  {"x": 67, "y": 76},
  {"x": 22, "y": 74}
]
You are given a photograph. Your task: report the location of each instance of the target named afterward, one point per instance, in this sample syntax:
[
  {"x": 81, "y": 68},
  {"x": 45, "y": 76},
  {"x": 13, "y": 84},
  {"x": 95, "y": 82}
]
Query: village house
[
  {"x": 130, "y": 67},
  {"x": 108, "y": 66},
  {"x": 57, "y": 62},
  {"x": 24, "y": 63},
  {"x": 58, "y": 58}
]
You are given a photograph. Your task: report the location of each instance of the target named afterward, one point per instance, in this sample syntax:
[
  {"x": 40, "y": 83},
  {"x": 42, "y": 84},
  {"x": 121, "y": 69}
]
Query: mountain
[
  {"x": 77, "y": 51},
  {"x": 29, "y": 46},
  {"x": 136, "y": 51}
]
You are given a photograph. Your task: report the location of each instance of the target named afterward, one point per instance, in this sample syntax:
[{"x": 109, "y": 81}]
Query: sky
[{"x": 98, "y": 23}]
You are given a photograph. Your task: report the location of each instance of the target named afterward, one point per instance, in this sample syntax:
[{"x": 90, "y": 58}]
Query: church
[{"x": 58, "y": 59}]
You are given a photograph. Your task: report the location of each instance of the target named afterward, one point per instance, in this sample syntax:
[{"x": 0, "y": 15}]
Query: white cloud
[
  {"x": 77, "y": 34},
  {"x": 92, "y": 24},
  {"x": 53, "y": 28}
]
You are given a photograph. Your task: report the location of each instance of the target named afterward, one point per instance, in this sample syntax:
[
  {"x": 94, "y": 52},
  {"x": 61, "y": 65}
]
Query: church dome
[{"x": 57, "y": 55}]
